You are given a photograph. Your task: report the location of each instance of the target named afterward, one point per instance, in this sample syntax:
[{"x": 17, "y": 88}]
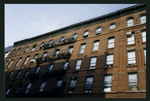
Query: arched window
[
  {"x": 130, "y": 22},
  {"x": 33, "y": 47},
  {"x": 75, "y": 35},
  {"x": 18, "y": 51},
  {"x": 42, "y": 44},
  {"x": 70, "y": 49},
  {"x": 26, "y": 49},
  {"x": 18, "y": 61},
  {"x": 61, "y": 40},
  {"x": 143, "y": 19},
  {"x": 6, "y": 62},
  {"x": 86, "y": 34},
  {"x": 112, "y": 26},
  {"x": 98, "y": 31},
  {"x": 13, "y": 52},
  {"x": 10, "y": 63}
]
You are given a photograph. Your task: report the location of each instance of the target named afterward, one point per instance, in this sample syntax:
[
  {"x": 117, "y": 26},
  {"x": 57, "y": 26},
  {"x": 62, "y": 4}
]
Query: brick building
[{"x": 104, "y": 57}]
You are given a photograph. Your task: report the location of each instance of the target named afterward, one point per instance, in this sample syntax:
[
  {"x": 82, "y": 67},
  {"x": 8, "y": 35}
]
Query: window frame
[
  {"x": 109, "y": 60},
  {"x": 42, "y": 86},
  {"x": 109, "y": 43},
  {"x": 28, "y": 88},
  {"x": 86, "y": 33},
  {"x": 132, "y": 82},
  {"x": 71, "y": 89},
  {"x": 131, "y": 57},
  {"x": 141, "y": 20},
  {"x": 60, "y": 84},
  {"x": 61, "y": 40},
  {"x": 70, "y": 49},
  {"x": 33, "y": 48},
  {"x": 97, "y": 31},
  {"x": 82, "y": 48},
  {"x": 18, "y": 61},
  {"x": 26, "y": 49},
  {"x": 91, "y": 67},
  {"x": 75, "y": 35},
  {"x": 37, "y": 69},
  {"x": 143, "y": 37},
  {"x": 26, "y": 60},
  {"x": 64, "y": 64},
  {"x": 112, "y": 26},
  {"x": 144, "y": 50},
  {"x": 18, "y": 50},
  {"x": 96, "y": 46},
  {"x": 12, "y": 52},
  {"x": 11, "y": 62},
  {"x": 78, "y": 65},
  {"x": 42, "y": 44},
  {"x": 129, "y": 22},
  {"x": 129, "y": 39},
  {"x": 107, "y": 83},
  {"x": 86, "y": 89}
]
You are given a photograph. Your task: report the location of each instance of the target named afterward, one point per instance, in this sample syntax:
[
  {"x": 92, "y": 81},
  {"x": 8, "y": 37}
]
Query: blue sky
[{"x": 28, "y": 20}]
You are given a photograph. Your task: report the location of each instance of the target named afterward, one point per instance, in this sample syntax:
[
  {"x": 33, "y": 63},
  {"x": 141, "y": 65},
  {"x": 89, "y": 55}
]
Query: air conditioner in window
[
  {"x": 32, "y": 60},
  {"x": 129, "y": 34}
]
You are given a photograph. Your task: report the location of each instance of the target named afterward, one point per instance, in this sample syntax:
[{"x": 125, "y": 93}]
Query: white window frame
[
  {"x": 78, "y": 64},
  {"x": 61, "y": 40},
  {"x": 59, "y": 83},
  {"x": 132, "y": 82},
  {"x": 65, "y": 65},
  {"x": 33, "y": 47},
  {"x": 130, "y": 39},
  {"x": 50, "y": 42},
  {"x": 130, "y": 22},
  {"x": 72, "y": 85},
  {"x": 88, "y": 84},
  {"x": 28, "y": 87},
  {"x": 112, "y": 26},
  {"x": 107, "y": 83},
  {"x": 95, "y": 45},
  {"x": 93, "y": 63},
  {"x": 42, "y": 44},
  {"x": 109, "y": 59},
  {"x": 70, "y": 49},
  {"x": 111, "y": 42},
  {"x": 18, "y": 61},
  {"x": 145, "y": 55},
  {"x": 26, "y": 60},
  {"x": 86, "y": 33},
  {"x": 42, "y": 87},
  {"x": 143, "y": 19},
  {"x": 131, "y": 58},
  {"x": 98, "y": 31},
  {"x": 26, "y": 49},
  {"x": 144, "y": 36},
  {"x": 10, "y": 63},
  {"x": 75, "y": 36},
  {"x": 82, "y": 48}
]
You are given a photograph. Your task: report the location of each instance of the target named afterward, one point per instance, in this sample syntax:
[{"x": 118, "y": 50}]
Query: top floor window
[
  {"x": 75, "y": 35},
  {"x": 144, "y": 36},
  {"x": 111, "y": 42},
  {"x": 143, "y": 19},
  {"x": 82, "y": 48},
  {"x": 42, "y": 44},
  {"x": 50, "y": 42},
  {"x": 112, "y": 27},
  {"x": 98, "y": 31},
  {"x": 26, "y": 49},
  {"x": 18, "y": 51},
  {"x": 130, "y": 22},
  {"x": 86, "y": 34},
  {"x": 33, "y": 47},
  {"x": 61, "y": 40},
  {"x": 70, "y": 49},
  {"x": 13, "y": 52}
]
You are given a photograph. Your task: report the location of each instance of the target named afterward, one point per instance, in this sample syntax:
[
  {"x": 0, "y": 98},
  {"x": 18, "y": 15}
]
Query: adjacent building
[{"x": 104, "y": 57}]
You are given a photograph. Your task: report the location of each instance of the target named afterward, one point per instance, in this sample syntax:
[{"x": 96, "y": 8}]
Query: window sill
[{"x": 131, "y": 65}]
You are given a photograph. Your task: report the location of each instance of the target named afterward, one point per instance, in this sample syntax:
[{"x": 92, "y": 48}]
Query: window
[
  {"x": 65, "y": 65},
  {"x": 50, "y": 42},
  {"x": 107, "y": 83},
  {"x": 26, "y": 60},
  {"x": 13, "y": 52},
  {"x": 27, "y": 72},
  {"x": 33, "y": 47},
  {"x": 132, "y": 82},
  {"x": 95, "y": 45},
  {"x": 18, "y": 61},
  {"x": 28, "y": 87},
  {"x": 18, "y": 51},
  {"x": 59, "y": 82},
  {"x": 86, "y": 34},
  {"x": 70, "y": 49},
  {"x": 18, "y": 73},
  {"x": 144, "y": 36},
  {"x": 109, "y": 60},
  {"x": 130, "y": 22},
  {"x": 37, "y": 70},
  {"x": 10, "y": 63},
  {"x": 6, "y": 62},
  {"x": 130, "y": 39},
  {"x": 75, "y": 35},
  {"x": 10, "y": 74},
  {"x": 26, "y": 49},
  {"x": 82, "y": 48},
  {"x": 93, "y": 63},
  {"x": 44, "y": 55},
  {"x": 17, "y": 90},
  {"x": 88, "y": 85},
  {"x": 61, "y": 40},
  {"x": 50, "y": 68},
  {"x": 78, "y": 64},
  {"x": 8, "y": 90},
  {"x": 42, "y": 44},
  {"x": 72, "y": 84},
  {"x": 98, "y": 31},
  {"x": 112, "y": 27},
  {"x": 143, "y": 19},
  {"x": 36, "y": 56},
  {"x": 56, "y": 53},
  {"x": 42, "y": 86},
  {"x": 145, "y": 55},
  {"x": 131, "y": 58},
  {"x": 111, "y": 42}
]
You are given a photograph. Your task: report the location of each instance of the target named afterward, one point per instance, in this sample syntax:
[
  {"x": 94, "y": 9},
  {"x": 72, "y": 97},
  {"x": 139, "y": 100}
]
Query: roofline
[{"x": 80, "y": 23}]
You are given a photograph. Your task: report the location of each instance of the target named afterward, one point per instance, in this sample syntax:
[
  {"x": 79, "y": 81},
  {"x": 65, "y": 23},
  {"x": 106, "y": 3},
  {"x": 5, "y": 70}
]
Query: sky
[{"x": 24, "y": 21}]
